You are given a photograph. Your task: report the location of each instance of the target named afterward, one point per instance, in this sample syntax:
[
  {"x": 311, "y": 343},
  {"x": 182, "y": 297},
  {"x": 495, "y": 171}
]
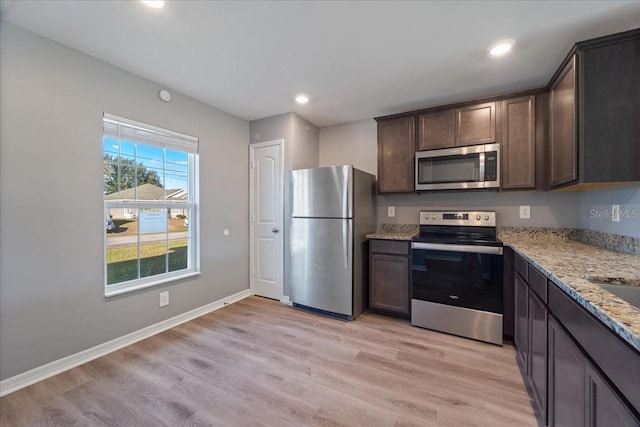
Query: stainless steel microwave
[{"x": 460, "y": 168}]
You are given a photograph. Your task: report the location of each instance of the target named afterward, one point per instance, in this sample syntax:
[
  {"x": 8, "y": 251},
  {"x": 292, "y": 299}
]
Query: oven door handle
[{"x": 492, "y": 250}]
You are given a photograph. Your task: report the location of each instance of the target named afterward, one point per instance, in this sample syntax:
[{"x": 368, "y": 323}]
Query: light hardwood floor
[{"x": 260, "y": 363}]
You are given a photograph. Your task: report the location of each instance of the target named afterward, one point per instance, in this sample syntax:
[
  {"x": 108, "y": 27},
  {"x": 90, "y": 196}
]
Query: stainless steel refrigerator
[{"x": 332, "y": 209}]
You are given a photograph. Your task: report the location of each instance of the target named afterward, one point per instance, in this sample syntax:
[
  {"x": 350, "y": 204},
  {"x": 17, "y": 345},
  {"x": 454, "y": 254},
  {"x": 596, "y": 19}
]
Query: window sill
[{"x": 108, "y": 293}]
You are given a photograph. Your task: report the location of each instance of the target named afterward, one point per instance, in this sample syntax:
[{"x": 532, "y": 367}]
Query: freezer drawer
[
  {"x": 321, "y": 264},
  {"x": 322, "y": 192}
]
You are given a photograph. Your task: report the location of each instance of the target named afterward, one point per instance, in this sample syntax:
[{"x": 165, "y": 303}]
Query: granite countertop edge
[
  {"x": 619, "y": 328},
  {"x": 391, "y": 236},
  {"x": 396, "y": 232}
]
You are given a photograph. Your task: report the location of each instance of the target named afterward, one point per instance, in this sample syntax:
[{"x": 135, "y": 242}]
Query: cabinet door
[
  {"x": 566, "y": 379},
  {"x": 604, "y": 407},
  {"x": 521, "y": 333},
  {"x": 518, "y": 143},
  {"x": 476, "y": 124},
  {"x": 389, "y": 288},
  {"x": 563, "y": 144},
  {"x": 437, "y": 130},
  {"x": 538, "y": 353},
  {"x": 396, "y": 150},
  {"x": 609, "y": 112}
]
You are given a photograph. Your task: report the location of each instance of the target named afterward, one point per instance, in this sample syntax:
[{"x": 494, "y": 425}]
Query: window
[{"x": 150, "y": 205}]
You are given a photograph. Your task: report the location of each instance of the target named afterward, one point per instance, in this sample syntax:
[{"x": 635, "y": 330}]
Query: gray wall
[
  {"x": 52, "y": 300},
  {"x": 272, "y": 128},
  {"x": 356, "y": 143},
  {"x": 305, "y": 145},
  {"x": 547, "y": 209},
  {"x": 301, "y": 139},
  {"x": 596, "y": 210}
]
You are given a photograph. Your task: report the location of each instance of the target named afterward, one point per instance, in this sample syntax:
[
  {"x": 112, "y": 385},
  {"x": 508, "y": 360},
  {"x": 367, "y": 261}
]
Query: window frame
[{"x": 191, "y": 204}]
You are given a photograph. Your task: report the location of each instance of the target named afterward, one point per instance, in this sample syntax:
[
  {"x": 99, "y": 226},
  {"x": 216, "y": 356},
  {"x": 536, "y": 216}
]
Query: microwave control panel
[{"x": 491, "y": 166}]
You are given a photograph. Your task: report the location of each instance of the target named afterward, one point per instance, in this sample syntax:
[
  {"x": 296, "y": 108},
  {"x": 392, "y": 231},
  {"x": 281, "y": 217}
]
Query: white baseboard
[
  {"x": 57, "y": 366},
  {"x": 285, "y": 300}
]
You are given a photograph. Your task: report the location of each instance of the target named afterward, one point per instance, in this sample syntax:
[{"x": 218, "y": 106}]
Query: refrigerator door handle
[
  {"x": 345, "y": 194},
  {"x": 345, "y": 243}
]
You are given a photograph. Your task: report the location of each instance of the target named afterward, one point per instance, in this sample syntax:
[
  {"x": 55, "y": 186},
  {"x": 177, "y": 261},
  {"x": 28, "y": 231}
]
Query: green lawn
[{"x": 122, "y": 261}]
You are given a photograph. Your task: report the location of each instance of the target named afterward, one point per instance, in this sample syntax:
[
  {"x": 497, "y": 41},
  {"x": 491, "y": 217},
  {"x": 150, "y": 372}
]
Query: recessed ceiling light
[
  {"x": 302, "y": 99},
  {"x": 157, "y": 4},
  {"x": 502, "y": 47}
]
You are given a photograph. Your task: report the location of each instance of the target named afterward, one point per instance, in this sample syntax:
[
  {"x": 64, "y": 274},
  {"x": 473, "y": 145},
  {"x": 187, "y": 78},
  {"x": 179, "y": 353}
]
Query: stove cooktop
[{"x": 461, "y": 228}]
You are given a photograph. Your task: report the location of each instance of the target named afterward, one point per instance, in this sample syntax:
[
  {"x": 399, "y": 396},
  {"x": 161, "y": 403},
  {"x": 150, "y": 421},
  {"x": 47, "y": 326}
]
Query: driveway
[{"x": 144, "y": 238}]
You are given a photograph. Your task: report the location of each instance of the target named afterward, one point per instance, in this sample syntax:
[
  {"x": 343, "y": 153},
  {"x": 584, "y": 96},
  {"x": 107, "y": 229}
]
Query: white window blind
[{"x": 130, "y": 130}]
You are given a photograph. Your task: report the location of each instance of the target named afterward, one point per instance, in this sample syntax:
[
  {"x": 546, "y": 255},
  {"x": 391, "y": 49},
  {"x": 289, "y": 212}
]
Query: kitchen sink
[{"x": 625, "y": 288}]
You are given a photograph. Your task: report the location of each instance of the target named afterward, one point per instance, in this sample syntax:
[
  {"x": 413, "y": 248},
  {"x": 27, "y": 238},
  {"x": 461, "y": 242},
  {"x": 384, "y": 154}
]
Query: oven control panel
[{"x": 466, "y": 218}]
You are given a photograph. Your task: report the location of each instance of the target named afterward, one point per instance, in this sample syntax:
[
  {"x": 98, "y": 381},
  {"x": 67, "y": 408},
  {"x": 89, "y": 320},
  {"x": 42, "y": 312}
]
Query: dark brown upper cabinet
[
  {"x": 437, "y": 130},
  {"x": 396, "y": 151},
  {"x": 468, "y": 125},
  {"x": 518, "y": 143},
  {"x": 563, "y": 143},
  {"x": 476, "y": 124},
  {"x": 594, "y": 136}
]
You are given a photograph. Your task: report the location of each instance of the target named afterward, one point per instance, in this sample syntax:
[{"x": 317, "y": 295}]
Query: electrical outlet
[
  {"x": 164, "y": 298},
  {"x": 391, "y": 211},
  {"x": 525, "y": 212},
  {"x": 615, "y": 213}
]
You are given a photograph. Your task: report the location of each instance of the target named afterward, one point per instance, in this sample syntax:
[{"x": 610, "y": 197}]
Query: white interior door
[{"x": 267, "y": 219}]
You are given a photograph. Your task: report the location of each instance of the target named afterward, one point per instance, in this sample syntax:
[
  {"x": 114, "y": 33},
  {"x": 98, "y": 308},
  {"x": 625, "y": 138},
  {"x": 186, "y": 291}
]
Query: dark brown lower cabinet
[
  {"x": 389, "y": 277},
  {"x": 570, "y": 363},
  {"x": 604, "y": 406},
  {"x": 531, "y": 342},
  {"x": 566, "y": 379},
  {"x": 538, "y": 353},
  {"x": 521, "y": 329}
]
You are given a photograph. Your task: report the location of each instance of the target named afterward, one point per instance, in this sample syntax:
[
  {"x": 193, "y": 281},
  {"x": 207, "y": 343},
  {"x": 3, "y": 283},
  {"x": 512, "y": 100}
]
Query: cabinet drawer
[
  {"x": 395, "y": 247},
  {"x": 538, "y": 283},
  {"x": 521, "y": 267}
]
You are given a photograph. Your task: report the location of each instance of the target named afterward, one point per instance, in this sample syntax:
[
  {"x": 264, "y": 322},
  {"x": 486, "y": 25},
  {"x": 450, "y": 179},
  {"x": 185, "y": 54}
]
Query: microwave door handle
[{"x": 481, "y": 167}]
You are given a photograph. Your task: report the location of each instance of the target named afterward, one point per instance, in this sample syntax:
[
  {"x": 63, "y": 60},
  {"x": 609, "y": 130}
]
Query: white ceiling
[{"x": 355, "y": 59}]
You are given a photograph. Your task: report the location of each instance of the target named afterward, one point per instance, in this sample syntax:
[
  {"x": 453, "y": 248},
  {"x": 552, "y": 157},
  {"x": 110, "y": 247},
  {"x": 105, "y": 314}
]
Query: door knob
[{"x": 275, "y": 230}]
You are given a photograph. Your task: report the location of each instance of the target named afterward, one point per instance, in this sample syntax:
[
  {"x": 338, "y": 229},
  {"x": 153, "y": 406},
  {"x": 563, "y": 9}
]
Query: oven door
[{"x": 466, "y": 276}]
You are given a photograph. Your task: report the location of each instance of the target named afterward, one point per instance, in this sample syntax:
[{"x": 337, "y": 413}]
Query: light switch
[
  {"x": 525, "y": 212},
  {"x": 391, "y": 211}
]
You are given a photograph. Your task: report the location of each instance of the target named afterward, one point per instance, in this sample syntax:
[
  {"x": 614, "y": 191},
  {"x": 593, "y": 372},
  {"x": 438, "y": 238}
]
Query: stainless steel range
[{"x": 457, "y": 275}]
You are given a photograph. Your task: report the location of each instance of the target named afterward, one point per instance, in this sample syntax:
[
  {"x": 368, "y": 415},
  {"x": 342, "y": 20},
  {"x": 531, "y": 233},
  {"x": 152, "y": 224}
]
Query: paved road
[{"x": 144, "y": 238}]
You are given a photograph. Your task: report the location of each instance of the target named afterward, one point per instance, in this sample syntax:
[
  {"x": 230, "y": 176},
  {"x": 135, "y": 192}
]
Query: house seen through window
[{"x": 150, "y": 204}]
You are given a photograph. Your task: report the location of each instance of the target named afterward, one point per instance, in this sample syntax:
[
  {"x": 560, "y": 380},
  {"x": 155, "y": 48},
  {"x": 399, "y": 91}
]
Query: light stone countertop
[
  {"x": 396, "y": 232},
  {"x": 565, "y": 262}
]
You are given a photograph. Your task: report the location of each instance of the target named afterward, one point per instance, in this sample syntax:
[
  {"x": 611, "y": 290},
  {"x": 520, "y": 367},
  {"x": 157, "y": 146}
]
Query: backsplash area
[
  {"x": 598, "y": 214},
  {"x": 552, "y": 210},
  {"x": 614, "y": 242}
]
